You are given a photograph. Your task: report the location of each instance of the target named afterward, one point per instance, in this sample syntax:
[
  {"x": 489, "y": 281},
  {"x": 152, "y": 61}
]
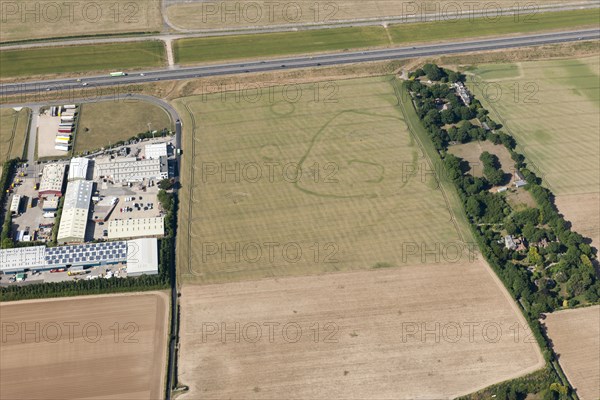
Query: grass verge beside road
[
  {"x": 70, "y": 59},
  {"x": 212, "y": 49}
]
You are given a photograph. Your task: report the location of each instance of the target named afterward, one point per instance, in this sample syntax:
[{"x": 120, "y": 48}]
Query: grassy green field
[
  {"x": 478, "y": 27},
  {"x": 328, "y": 178},
  {"x": 274, "y": 44},
  {"x": 105, "y": 123},
  {"x": 196, "y": 50},
  {"x": 551, "y": 108},
  {"x": 99, "y": 57},
  {"x": 13, "y": 132}
]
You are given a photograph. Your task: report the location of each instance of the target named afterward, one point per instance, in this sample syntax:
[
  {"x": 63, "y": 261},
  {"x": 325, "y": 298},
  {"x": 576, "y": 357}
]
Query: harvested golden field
[
  {"x": 577, "y": 208},
  {"x": 42, "y": 19},
  {"x": 195, "y": 15},
  {"x": 109, "y": 347},
  {"x": 575, "y": 335},
  {"x": 398, "y": 333},
  {"x": 332, "y": 180},
  {"x": 13, "y": 132}
]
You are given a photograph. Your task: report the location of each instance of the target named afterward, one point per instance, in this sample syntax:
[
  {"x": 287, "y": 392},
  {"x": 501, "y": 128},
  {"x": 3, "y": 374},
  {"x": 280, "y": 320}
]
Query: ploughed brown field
[
  {"x": 423, "y": 331},
  {"x": 96, "y": 347},
  {"x": 575, "y": 335}
]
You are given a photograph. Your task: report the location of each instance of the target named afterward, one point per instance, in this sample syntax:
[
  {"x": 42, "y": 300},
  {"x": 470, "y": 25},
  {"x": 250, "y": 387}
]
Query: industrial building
[
  {"x": 51, "y": 183},
  {"x": 136, "y": 227},
  {"x": 130, "y": 169},
  {"x": 50, "y": 204},
  {"x": 21, "y": 258},
  {"x": 142, "y": 257},
  {"x": 15, "y": 204},
  {"x": 78, "y": 169},
  {"x": 155, "y": 151},
  {"x": 87, "y": 255},
  {"x": 74, "y": 216}
]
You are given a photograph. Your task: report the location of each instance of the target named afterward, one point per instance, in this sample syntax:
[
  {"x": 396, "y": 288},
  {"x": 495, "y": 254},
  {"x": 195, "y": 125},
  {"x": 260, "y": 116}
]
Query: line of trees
[{"x": 547, "y": 276}]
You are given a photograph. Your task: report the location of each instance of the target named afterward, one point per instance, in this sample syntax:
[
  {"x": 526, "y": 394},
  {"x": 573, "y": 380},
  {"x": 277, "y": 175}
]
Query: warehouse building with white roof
[
  {"x": 140, "y": 257},
  {"x": 155, "y": 151},
  {"x": 136, "y": 228},
  {"x": 74, "y": 218},
  {"x": 129, "y": 169},
  {"x": 78, "y": 169}
]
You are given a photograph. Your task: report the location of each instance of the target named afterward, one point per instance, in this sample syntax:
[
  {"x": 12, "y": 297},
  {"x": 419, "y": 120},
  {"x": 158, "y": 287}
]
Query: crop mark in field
[
  {"x": 270, "y": 152},
  {"x": 282, "y": 108},
  {"x": 350, "y": 174}
]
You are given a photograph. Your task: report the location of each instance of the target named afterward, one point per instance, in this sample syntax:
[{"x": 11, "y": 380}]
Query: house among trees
[
  {"x": 509, "y": 242},
  {"x": 463, "y": 93},
  {"x": 515, "y": 244},
  {"x": 519, "y": 179}
]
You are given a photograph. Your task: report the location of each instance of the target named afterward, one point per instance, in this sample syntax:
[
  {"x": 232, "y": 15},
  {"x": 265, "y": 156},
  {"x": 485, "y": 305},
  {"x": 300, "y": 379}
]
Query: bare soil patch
[
  {"x": 470, "y": 152},
  {"x": 348, "y": 335},
  {"x": 575, "y": 335},
  {"x": 85, "y": 347}
]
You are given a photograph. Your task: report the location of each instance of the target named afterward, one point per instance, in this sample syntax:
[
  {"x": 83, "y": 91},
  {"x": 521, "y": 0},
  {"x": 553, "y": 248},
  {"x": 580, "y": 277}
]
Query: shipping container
[{"x": 70, "y": 106}]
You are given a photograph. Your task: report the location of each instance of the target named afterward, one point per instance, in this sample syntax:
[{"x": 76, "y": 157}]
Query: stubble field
[
  {"x": 275, "y": 187},
  {"x": 41, "y": 19},
  {"x": 357, "y": 335},
  {"x": 551, "y": 108},
  {"x": 196, "y": 15},
  {"x": 109, "y": 347},
  {"x": 575, "y": 335}
]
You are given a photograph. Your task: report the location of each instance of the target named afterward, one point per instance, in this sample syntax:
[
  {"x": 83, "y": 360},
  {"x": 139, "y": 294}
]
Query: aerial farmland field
[
  {"x": 35, "y": 19},
  {"x": 111, "y": 346},
  {"x": 196, "y": 15},
  {"x": 551, "y": 108},
  {"x": 230, "y": 47},
  {"x": 354, "y": 335},
  {"x": 332, "y": 181},
  {"x": 575, "y": 336},
  {"x": 13, "y": 132}
]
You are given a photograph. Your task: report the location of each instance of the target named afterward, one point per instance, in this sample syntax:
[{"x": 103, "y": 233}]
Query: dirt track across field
[
  {"x": 381, "y": 334},
  {"x": 96, "y": 347},
  {"x": 575, "y": 335}
]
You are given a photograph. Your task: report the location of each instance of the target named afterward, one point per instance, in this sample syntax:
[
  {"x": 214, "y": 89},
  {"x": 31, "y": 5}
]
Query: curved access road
[{"x": 339, "y": 58}]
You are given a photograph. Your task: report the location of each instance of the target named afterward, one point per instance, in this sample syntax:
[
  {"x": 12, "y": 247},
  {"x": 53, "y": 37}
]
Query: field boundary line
[{"x": 398, "y": 92}]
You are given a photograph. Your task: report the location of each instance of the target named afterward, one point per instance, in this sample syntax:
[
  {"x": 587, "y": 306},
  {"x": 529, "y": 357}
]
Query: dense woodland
[{"x": 554, "y": 267}]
